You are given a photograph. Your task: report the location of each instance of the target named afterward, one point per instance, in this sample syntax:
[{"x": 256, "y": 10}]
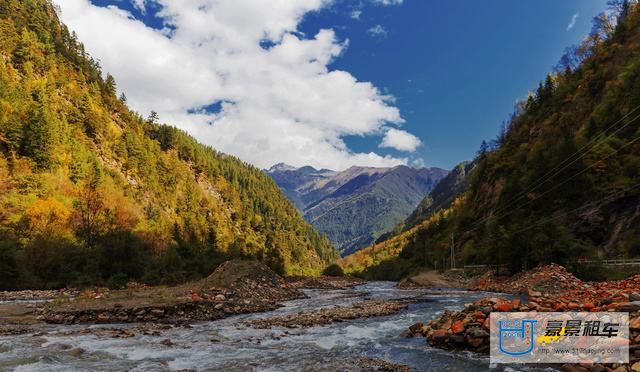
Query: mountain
[
  {"x": 355, "y": 206},
  {"x": 559, "y": 183},
  {"x": 92, "y": 193}
]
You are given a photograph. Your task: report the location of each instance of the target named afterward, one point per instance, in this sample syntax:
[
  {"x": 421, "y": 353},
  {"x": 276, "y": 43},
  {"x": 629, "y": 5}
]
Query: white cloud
[
  {"x": 418, "y": 163},
  {"x": 400, "y": 140},
  {"x": 378, "y": 31},
  {"x": 279, "y": 104},
  {"x": 356, "y": 14},
  {"x": 573, "y": 21},
  {"x": 388, "y": 2}
]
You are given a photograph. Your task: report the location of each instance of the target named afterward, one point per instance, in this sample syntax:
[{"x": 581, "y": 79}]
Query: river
[{"x": 229, "y": 345}]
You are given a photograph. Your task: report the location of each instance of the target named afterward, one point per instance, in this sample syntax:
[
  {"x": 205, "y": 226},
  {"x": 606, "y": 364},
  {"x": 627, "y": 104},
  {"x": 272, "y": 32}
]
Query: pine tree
[{"x": 38, "y": 134}]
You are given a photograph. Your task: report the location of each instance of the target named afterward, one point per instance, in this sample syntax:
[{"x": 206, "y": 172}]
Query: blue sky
[{"x": 455, "y": 69}]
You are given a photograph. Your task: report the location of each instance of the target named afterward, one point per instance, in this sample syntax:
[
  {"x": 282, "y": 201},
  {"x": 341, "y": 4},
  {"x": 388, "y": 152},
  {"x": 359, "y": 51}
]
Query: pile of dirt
[
  {"x": 550, "y": 278},
  {"x": 248, "y": 279},
  {"x": 235, "y": 287},
  {"x": 434, "y": 279}
]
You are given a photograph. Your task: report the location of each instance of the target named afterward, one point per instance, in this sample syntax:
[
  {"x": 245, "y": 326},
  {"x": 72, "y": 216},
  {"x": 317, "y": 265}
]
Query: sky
[{"x": 331, "y": 83}]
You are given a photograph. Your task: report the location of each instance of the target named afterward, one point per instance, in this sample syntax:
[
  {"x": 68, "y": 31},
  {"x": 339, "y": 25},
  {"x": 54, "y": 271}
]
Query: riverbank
[
  {"x": 235, "y": 287},
  {"x": 547, "y": 288}
]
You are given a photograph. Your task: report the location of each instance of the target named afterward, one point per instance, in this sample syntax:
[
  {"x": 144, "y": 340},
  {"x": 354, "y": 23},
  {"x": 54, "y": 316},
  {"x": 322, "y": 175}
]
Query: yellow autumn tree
[{"x": 48, "y": 216}]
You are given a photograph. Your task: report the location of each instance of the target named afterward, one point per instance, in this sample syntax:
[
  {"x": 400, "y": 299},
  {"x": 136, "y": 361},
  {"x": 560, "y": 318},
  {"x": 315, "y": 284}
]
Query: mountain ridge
[{"x": 354, "y": 206}]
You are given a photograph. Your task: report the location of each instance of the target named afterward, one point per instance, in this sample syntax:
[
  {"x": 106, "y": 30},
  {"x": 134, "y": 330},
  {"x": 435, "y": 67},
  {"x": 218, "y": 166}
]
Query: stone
[
  {"x": 504, "y": 307},
  {"x": 219, "y": 297},
  {"x": 475, "y": 342},
  {"x": 457, "y": 327},
  {"x": 438, "y": 335},
  {"x": 533, "y": 293},
  {"x": 457, "y": 339},
  {"x": 629, "y": 306},
  {"x": 406, "y": 333},
  {"x": 77, "y": 352},
  {"x": 573, "y": 368},
  {"x": 166, "y": 342},
  {"x": 416, "y": 328},
  {"x": 477, "y": 333}
]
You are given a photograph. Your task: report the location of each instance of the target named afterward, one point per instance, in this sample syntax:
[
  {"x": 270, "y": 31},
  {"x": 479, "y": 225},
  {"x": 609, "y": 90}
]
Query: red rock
[
  {"x": 457, "y": 327},
  {"x": 573, "y": 306},
  {"x": 437, "y": 334},
  {"x": 588, "y": 305},
  {"x": 504, "y": 307}
]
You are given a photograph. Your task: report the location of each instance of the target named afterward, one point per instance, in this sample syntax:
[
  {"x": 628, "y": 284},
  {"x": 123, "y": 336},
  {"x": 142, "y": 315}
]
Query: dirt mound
[
  {"x": 549, "y": 279},
  {"x": 249, "y": 279},
  {"x": 434, "y": 279}
]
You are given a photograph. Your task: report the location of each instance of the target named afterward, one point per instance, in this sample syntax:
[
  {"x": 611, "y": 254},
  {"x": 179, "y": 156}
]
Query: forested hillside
[
  {"x": 441, "y": 197},
  {"x": 93, "y": 193},
  {"x": 562, "y": 180}
]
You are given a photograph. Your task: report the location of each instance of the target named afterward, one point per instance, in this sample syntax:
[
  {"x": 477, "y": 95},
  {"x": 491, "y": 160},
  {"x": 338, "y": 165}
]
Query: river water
[{"x": 229, "y": 345}]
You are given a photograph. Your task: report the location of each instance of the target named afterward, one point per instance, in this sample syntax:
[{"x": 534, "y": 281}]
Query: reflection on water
[{"x": 226, "y": 344}]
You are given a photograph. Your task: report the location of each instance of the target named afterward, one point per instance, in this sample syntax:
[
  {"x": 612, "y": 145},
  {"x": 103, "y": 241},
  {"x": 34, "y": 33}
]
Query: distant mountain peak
[
  {"x": 281, "y": 167},
  {"x": 356, "y": 205}
]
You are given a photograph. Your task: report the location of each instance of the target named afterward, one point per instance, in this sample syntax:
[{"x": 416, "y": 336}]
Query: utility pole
[{"x": 453, "y": 254}]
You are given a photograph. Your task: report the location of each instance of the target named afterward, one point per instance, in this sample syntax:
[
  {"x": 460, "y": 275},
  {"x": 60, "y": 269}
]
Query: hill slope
[
  {"x": 355, "y": 206},
  {"x": 560, "y": 182},
  {"x": 441, "y": 197},
  {"x": 91, "y": 192}
]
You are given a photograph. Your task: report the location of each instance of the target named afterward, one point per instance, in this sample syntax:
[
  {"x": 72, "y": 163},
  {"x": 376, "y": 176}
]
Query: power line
[
  {"x": 538, "y": 184},
  {"x": 570, "y": 211},
  {"x": 558, "y": 185}
]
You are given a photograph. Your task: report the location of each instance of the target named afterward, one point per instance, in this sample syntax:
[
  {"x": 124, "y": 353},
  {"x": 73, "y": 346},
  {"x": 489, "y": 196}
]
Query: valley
[{"x": 356, "y": 206}]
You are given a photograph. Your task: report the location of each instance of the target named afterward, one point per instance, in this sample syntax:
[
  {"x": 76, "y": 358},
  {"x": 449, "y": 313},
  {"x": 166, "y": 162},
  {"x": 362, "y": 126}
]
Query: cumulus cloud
[
  {"x": 356, "y": 14},
  {"x": 573, "y": 21},
  {"x": 400, "y": 140},
  {"x": 275, "y": 98}
]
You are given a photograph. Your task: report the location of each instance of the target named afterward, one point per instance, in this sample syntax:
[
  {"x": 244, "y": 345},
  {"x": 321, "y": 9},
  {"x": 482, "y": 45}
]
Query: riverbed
[{"x": 230, "y": 345}]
